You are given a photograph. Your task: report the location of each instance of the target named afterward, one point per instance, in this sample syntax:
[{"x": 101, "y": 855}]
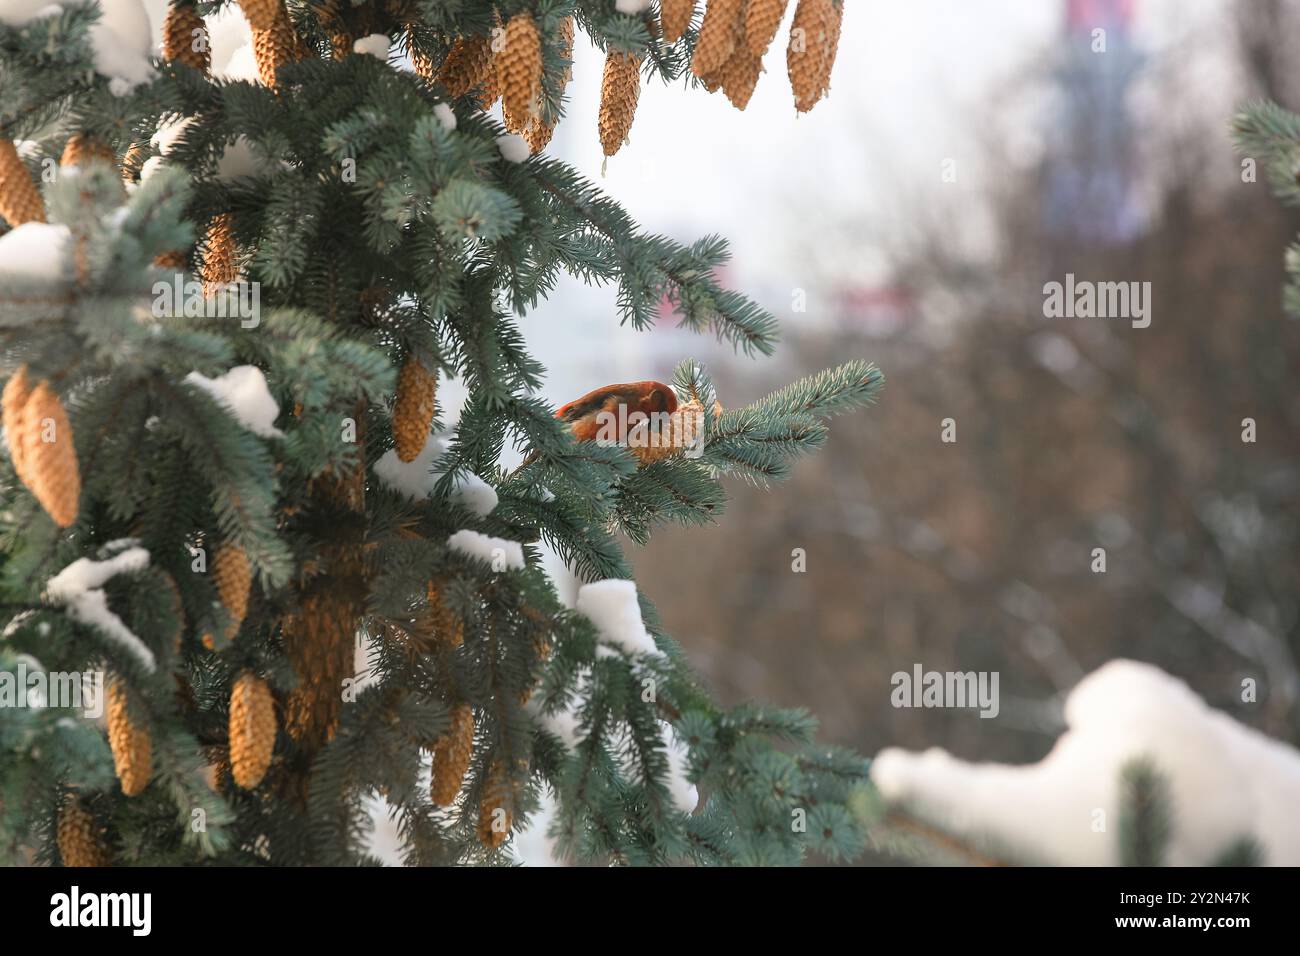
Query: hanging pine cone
[
  {"x": 740, "y": 76},
  {"x": 252, "y": 730},
  {"x": 80, "y": 837},
  {"x": 185, "y": 38},
  {"x": 519, "y": 69},
  {"x": 620, "y": 88},
  {"x": 17, "y": 390},
  {"x": 537, "y": 134},
  {"x": 420, "y": 60},
  {"x": 414, "y": 407},
  {"x": 675, "y": 17},
  {"x": 129, "y": 740},
  {"x": 261, "y": 14},
  {"x": 451, "y": 756},
  {"x": 539, "y": 131},
  {"x": 719, "y": 32},
  {"x": 495, "y": 813},
  {"x": 814, "y": 40},
  {"x": 682, "y": 431},
  {"x": 234, "y": 579},
  {"x": 762, "y": 20},
  {"x": 438, "y": 626},
  {"x": 83, "y": 148},
  {"x": 133, "y": 161},
  {"x": 49, "y": 455},
  {"x": 220, "y": 255},
  {"x": 20, "y": 200},
  {"x": 275, "y": 46},
  {"x": 468, "y": 65}
]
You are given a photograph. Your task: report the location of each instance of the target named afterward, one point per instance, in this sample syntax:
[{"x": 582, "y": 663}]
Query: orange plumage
[
  {"x": 584, "y": 414},
  {"x": 587, "y": 416}
]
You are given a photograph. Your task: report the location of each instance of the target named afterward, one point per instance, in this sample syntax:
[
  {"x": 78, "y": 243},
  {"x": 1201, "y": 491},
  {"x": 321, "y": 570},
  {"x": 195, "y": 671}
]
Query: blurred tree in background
[{"x": 1072, "y": 434}]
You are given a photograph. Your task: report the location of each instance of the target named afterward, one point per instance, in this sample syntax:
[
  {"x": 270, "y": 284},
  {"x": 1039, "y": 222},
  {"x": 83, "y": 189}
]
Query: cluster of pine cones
[
  {"x": 735, "y": 34},
  {"x": 733, "y": 37},
  {"x": 252, "y": 731}
]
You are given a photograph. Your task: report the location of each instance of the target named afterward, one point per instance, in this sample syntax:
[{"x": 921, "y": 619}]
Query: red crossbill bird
[
  {"x": 584, "y": 414},
  {"x": 610, "y": 407}
]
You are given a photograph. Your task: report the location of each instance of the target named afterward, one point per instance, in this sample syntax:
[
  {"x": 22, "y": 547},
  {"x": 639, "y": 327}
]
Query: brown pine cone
[
  {"x": 762, "y": 20},
  {"x": 17, "y": 390},
  {"x": 468, "y": 65},
  {"x": 129, "y": 740},
  {"x": 419, "y": 59},
  {"x": 619, "y": 91},
  {"x": 275, "y": 46},
  {"x": 414, "y": 408},
  {"x": 566, "y": 48},
  {"x": 719, "y": 32},
  {"x": 182, "y": 30},
  {"x": 220, "y": 258},
  {"x": 740, "y": 76},
  {"x": 519, "y": 69},
  {"x": 539, "y": 131},
  {"x": 261, "y": 14},
  {"x": 495, "y": 810},
  {"x": 675, "y": 17},
  {"x": 814, "y": 39},
  {"x": 451, "y": 755},
  {"x": 20, "y": 200},
  {"x": 252, "y": 730},
  {"x": 438, "y": 625},
  {"x": 234, "y": 579},
  {"x": 80, "y": 837},
  {"x": 683, "y": 429},
  {"x": 515, "y": 122},
  {"x": 83, "y": 148},
  {"x": 133, "y": 161},
  {"x": 49, "y": 455},
  {"x": 537, "y": 134}
]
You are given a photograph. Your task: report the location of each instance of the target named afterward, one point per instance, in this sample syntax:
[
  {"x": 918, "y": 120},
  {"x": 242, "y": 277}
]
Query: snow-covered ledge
[{"x": 1226, "y": 780}]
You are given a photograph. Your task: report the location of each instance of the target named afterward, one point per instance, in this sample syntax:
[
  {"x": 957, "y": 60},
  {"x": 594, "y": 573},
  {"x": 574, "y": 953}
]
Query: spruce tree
[{"x": 225, "y": 305}]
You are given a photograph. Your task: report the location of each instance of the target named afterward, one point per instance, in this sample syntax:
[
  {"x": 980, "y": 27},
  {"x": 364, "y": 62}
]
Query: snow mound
[
  {"x": 445, "y": 116},
  {"x": 36, "y": 250},
  {"x": 243, "y": 392},
  {"x": 122, "y": 41},
  {"x": 513, "y": 147},
  {"x": 499, "y": 552},
  {"x": 1227, "y": 781},
  {"x": 416, "y": 478},
  {"x": 612, "y": 606},
  {"x": 375, "y": 45}
]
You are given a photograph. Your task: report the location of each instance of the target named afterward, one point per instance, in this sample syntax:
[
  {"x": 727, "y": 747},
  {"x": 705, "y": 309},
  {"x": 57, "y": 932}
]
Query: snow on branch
[{"x": 78, "y": 589}]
